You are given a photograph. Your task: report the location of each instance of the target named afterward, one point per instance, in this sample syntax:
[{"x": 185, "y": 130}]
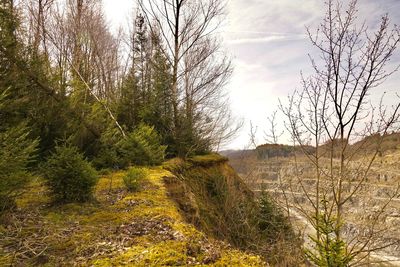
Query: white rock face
[{"x": 286, "y": 180}]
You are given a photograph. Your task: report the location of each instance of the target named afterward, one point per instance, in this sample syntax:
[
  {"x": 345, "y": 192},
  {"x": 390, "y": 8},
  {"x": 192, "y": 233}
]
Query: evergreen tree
[
  {"x": 9, "y": 75},
  {"x": 70, "y": 177},
  {"x": 128, "y": 103},
  {"x": 26, "y": 102},
  {"x": 16, "y": 149},
  {"x": 158, "y": 110}
]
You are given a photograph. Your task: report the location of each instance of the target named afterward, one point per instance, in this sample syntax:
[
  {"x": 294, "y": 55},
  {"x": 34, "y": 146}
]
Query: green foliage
[
  {"x": 26, "y": 101},
  {"x": 16, "y": 149},
  {"x": 141, "y": 147},
  {"x": 329, "y": 251},
  {"x": 271, "y": 220},
  {"x": 133, "y": 178},
  {"x": 107, "y": 156},
  {"x": 70, "y": 177},
  {"x": 128, "y": 104}
]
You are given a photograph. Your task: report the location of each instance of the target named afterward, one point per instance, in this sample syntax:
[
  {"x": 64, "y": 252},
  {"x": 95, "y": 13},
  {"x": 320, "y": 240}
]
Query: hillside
[
  {"x": 146, "y": 228},
  {"x": 214, "y": 198},
  {"x": 385, "y": 144},
  {"x": 291, "y": 180}
]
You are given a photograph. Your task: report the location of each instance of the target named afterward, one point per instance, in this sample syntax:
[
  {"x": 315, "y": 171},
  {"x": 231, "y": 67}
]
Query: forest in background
[{"x": 65, "y": 76}]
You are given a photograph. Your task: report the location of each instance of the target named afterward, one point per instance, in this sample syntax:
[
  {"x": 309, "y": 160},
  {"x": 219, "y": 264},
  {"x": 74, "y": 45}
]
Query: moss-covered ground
[{"x": 116, "y": 228}]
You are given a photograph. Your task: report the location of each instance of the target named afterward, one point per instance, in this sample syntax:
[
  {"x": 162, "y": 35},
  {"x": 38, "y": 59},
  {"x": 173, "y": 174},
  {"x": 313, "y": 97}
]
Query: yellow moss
[
  {"x": 84, "y": 238},
  {"x": 76, "y": 229},
  {"x": 111, "y": 181},
  {"x": 6, "y": 260},
  {"x": 237, "y": 258},
  {"x": 169, "y": 253},
  {"x": 35, "y": 194},
  {"x": 61, "y": 247},
  {"x": 153, "y": 202},
  {"x": 187, "y": 230},
  {"x": 175, "y": 165},
  {"x": 55, "y": 217},
  {"x": 71, "y": 212}
]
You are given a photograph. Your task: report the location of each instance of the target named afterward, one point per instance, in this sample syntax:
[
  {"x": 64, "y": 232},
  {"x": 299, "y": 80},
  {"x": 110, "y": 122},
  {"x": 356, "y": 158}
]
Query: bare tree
[
  {"x": 38, "y": 13},
  {"x": 272, "y": 135},
  {"x": 332, "y": 112},
  {"x": 199, "y": 68}
]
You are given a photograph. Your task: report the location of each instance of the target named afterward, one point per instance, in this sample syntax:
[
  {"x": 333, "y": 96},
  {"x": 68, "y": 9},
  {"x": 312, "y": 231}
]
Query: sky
[{"x": 267, "y": 42}]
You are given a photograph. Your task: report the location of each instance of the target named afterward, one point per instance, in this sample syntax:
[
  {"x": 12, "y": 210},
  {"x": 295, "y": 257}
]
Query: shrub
[
  {"x": 141, "y": 147},
  {"x": 271, "y": 221},
  {"x": 107, "y": 153},
  {"x": 70, "y": 177},
  {"x": 133, "y": 178},
  {"x": 16, "y": 151}
]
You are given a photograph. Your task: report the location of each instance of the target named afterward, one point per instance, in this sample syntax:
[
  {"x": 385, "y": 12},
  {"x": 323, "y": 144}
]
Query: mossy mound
[{"x": 119, "y": 227}]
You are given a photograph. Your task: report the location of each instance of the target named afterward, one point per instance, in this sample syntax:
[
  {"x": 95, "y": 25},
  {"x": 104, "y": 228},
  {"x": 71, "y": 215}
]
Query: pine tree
[
  {"x": 26, "y": 102},
  {"x": 128, "y": 103},
  {"x": 9, "y": 76},
  {"x": 16, "y": 149}
]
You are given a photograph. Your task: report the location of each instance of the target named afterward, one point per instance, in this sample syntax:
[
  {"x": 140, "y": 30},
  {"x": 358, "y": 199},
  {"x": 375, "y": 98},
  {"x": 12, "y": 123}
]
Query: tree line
[
  {"x": 131, "y": 96},
  {"x": 69, "y": 75}
]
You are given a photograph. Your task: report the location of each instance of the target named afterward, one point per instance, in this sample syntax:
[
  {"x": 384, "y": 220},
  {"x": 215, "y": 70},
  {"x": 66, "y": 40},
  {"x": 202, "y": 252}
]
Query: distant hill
[
  {"x": 390, "y": 143},
  {"x": 267, "y": 151},
  {"x": 369, "y": 144},
  {"x": 234, "y": 154}
]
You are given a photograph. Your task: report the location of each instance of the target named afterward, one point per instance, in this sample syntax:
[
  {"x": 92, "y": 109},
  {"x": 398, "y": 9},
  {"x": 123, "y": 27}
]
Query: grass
[
  {"x": 119, "y": 227},
  {"x": 211, "y": 196},
  {"x": 207, "y": 160}
]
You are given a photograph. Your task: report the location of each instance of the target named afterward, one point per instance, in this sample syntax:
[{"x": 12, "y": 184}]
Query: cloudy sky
[{"x": 267, "y": 42}]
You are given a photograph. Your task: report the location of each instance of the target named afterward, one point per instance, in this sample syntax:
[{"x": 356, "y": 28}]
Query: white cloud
[{"x": 265, "y": 39}]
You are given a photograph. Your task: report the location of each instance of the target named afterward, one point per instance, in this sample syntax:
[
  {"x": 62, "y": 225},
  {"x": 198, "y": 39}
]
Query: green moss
[
  {"x": 35, "y": 194},
  {"x": 89, "y": 233},
  {"x": 55, "y": 217},
  {"x": 237, "y": 258},
  {"x": 110, "y": 182},
  {"x": 176, "y": 165}
]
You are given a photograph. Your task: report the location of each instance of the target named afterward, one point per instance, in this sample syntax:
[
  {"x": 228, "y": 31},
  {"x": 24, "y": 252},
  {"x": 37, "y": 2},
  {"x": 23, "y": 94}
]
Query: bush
[
  {"x": 106, "y": 156},
  {"x": 16, "y": 151},
  {"x": 271, "y": 220},
  {"x": 133, "y": 178},
  {"x": 141, "y": 147},
  {"x": 70, "y": 177}
]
